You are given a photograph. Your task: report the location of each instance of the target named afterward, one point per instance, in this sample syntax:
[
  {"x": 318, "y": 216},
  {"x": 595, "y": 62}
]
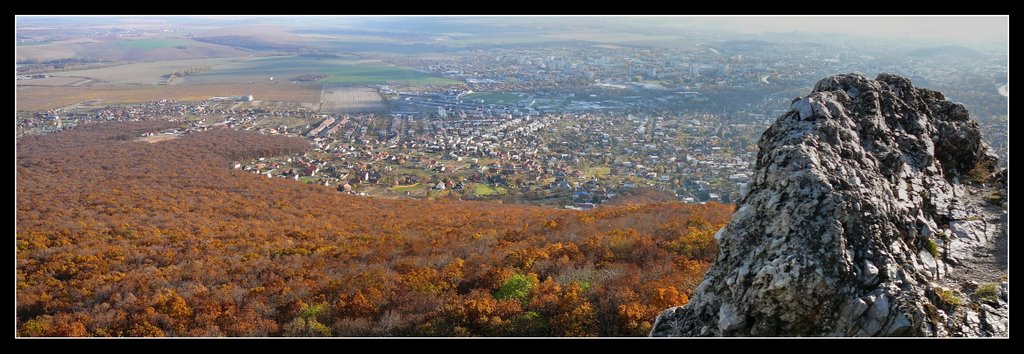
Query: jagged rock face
[{"x": 859, "y": 221}]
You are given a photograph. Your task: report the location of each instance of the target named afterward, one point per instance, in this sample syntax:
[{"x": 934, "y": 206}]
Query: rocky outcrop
[{"x": 875, "y": 210}]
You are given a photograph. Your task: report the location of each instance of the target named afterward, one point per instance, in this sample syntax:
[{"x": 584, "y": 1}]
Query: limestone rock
[{"x": 855, "y": 190}]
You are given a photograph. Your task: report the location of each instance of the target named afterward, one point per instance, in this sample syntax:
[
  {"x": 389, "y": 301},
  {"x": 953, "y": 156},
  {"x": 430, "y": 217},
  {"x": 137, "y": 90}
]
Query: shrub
[
  {"x": 932, "y": 247},
  {"x": 697, "y": 244},
  {"x": 988, "y": 292},
  {"x": 949, "y": 297},
  {"x": 995, "y": 198},
  {"x": 34, "y": 328},
  {"x": 516, "y": 287},
  {"x": 306, "y": 325}
]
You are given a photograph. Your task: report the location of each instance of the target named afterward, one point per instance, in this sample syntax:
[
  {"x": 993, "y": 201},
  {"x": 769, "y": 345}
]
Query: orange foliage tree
[{"x": 124, "y": 238}]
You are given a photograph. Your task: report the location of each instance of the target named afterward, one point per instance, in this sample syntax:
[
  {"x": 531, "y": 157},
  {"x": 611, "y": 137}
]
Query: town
[
  {"x": 562, "y": 126},
  {"x": 566, "y": 160}
]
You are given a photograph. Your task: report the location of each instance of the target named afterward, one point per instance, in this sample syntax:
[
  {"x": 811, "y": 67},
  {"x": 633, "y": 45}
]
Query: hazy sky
[{"x": 960, "y": 29}]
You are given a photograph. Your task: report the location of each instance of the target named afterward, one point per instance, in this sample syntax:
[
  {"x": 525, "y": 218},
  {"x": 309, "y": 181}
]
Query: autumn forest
[{"x": 117, "y": 237}]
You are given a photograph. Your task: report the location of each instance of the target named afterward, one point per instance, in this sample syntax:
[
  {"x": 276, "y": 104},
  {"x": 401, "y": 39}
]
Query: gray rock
[
  {"x": 931, "y": 266},
  {"x": 829, "y": 239},
  {"x": 854, "y": 308},
  {"x": 876, "y": 316},
  {"x": 870, "y": 274},
  {"x": 729, "y": 319},
  {"x": 973, "y": 230},
  {"x": 900, "y": 325}
]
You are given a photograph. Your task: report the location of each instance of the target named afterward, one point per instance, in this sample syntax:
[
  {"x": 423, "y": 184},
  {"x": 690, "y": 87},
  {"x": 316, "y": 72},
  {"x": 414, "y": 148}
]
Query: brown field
[
  {"x": 46, "y": 52},
  {"x": 112, "y": 50},
  {"x": 351, "y": 99},
  {"x": 157, "y": 138},
  {"x": 143, "y": 73},
  {"x": 54, "y": 81},
  {"x": 77, "y": 41},
  {"x": 283, "y": 105},
  {"x": 33, "y": 98},
  {"x": 265, "y": 33}
]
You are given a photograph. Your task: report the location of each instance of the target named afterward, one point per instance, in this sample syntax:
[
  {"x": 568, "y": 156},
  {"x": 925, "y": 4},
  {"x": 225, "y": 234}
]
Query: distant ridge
[{"x": 951, "y": 51}]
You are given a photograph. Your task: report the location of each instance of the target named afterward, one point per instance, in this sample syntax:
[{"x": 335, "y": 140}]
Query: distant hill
[{"x": 951, "y": 51}]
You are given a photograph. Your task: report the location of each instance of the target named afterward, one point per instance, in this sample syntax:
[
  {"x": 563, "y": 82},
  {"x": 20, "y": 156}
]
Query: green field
[
  {"x": 413, "y": 171},
  {"x": 409, "y": 188},
  {"x": 597, "y": 171},
  {"x": 492, "y": 97},
  {"x": 338, "y": 71},
  {"x": 155, "y": 43},
  {"x": 612, "y": 37},
  {"x": 597, "y": 37},
  {"x": 209, "y": 119},
  {"x": 484, "y": 190},
  {"x": 506, "y": 40}
]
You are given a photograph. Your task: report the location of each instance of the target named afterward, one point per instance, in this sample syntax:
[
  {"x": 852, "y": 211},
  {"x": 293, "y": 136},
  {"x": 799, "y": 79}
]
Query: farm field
[
  {"x": 153, "y": 49},
  {"x": 55, "y": 81},
  {"x": 274, "y": 122},
  {"x": 43, "y": 98},
  {"x": 350, "y": 99},
  {"x": 495, "y": 40},
  {"x": 338, "y": 71},
  {"x": 143, "y": 73},
  {"x": 25, "y": 44},
  {"x": 45, "y": 51},
  {"x": 620, "y": 37},
  {"x": 156, "y": 43}
]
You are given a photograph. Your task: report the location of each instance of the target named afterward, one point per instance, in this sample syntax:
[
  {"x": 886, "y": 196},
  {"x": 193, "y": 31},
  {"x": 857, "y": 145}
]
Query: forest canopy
[{"x": 117, "y": 237}]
